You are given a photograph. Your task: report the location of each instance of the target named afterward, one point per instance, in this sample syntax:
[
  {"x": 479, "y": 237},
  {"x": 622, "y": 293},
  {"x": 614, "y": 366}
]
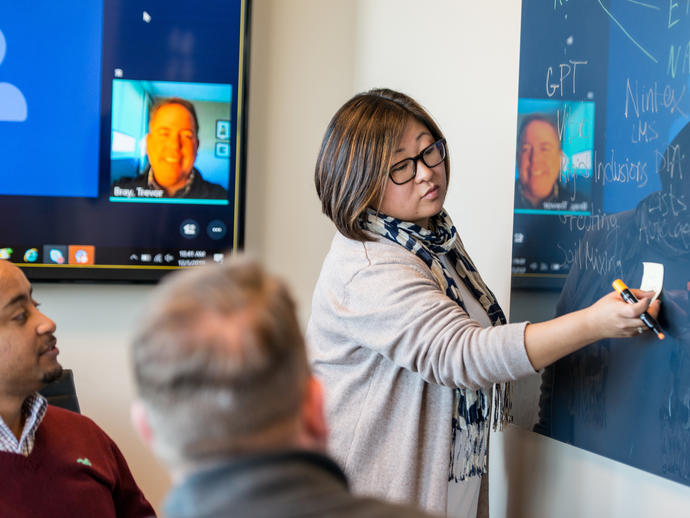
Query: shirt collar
[{"x": 33, "y": 411}]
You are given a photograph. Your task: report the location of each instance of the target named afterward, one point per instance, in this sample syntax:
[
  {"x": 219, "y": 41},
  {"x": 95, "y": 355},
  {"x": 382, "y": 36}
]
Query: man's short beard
[{"x": 51, "y": 376}]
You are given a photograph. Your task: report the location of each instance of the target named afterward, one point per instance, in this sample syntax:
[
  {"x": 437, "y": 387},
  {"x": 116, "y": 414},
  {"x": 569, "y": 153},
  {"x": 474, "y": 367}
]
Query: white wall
[
  {"x": 302, "y": 70},
  {"x": 460, "y": 60}
]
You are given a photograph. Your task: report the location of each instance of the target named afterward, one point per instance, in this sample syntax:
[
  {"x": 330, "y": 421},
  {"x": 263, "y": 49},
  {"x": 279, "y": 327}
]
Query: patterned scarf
[{"x": 471, "y": 409}]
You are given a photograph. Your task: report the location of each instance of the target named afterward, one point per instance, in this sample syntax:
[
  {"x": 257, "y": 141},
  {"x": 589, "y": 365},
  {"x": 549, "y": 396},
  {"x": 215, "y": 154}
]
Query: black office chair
[{"x": 62, "y": 392}]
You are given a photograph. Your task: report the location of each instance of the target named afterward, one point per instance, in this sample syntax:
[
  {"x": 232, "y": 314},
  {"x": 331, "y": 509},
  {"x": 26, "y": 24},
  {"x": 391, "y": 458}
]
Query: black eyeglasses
[{"x": 403, "y": 171}]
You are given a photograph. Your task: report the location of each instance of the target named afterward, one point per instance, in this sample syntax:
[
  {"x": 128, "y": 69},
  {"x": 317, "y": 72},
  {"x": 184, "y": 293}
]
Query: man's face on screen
[
  {"x": 171, "y": 146},
  {"x": 539, "y": 160}
]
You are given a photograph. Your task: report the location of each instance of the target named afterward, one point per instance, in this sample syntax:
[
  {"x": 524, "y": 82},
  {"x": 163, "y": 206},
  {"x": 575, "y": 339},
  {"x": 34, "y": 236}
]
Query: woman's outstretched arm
[{"x": 609, "y": 317}]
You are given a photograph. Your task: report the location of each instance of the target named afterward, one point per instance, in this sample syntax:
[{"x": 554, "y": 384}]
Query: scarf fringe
[{"x": 503, "y": 406}]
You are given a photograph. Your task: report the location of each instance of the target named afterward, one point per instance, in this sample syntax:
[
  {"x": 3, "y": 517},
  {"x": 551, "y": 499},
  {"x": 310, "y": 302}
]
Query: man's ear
[
  {"x": 140, "y": 422},
  {"x": 313, "y": 416}
]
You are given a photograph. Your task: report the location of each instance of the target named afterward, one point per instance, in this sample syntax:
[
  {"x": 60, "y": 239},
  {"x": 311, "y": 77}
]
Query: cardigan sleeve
[{"x": 398, "y": 310}]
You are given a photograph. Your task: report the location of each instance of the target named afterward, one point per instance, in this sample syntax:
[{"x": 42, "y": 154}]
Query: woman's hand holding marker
[{"x": 648, "y": 320}]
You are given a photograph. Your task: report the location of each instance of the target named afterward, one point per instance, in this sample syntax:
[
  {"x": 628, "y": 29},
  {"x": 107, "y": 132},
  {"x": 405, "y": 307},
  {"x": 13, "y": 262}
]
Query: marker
[{"x": 628, "y": 297}]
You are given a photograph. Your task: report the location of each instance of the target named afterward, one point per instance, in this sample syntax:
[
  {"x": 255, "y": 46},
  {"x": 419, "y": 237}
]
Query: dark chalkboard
[{"x": 630, "y": 61}]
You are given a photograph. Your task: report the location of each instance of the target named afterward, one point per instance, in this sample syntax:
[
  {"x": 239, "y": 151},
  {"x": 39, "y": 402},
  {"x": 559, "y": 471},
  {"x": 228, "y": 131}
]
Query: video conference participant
[
  {"x": 53, "y": 462},
  {"x": 228, "y": 403},
  {"x": 539, "y": 158},
  {"x": 404, "y": 333},
  {"x": 172, "y": 144}
]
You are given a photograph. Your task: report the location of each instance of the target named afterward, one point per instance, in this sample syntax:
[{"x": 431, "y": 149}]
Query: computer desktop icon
[
  {"x": 31, "y": 255},
  {"x": 82, "y": 254},
  {"x": 55, "y": 254}
]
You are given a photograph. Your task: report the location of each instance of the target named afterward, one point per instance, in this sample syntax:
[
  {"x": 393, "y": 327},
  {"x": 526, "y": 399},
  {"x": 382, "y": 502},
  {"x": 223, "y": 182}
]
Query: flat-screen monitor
[{"x": 122, "y": 128}]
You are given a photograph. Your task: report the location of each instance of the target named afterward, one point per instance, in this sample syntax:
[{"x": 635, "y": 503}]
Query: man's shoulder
[
  {"x": 370, "y": 507},
  {"x": 59, "y": 417},
  {"x": 292, "y": 483},
  {"x": 519, "y": 200},
  {"x": 65, "y": 425},
  {"x": 202, "y": 188},
  {"x": 70, "y": 433},
  {"x": 74, "y": 454},
  {"x": 365, "y": 507},
  {"x": 575, "y": 198}
]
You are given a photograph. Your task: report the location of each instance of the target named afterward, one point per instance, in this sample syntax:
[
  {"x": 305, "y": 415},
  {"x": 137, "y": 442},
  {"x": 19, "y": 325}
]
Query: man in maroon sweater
[{"x": 53, "y": 462}]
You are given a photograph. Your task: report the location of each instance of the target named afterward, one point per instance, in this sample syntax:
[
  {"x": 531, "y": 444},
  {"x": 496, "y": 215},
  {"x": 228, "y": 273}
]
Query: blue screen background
[{"x": 54, "y": 152}]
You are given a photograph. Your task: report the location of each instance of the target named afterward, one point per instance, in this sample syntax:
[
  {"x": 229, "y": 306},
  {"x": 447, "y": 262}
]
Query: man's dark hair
[
  {"x": 532, "y": 117},
  {"x": 164, "y": 101}
]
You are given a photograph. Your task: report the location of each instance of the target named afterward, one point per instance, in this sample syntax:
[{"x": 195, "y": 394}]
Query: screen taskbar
[{"x": 93, "y": 257}]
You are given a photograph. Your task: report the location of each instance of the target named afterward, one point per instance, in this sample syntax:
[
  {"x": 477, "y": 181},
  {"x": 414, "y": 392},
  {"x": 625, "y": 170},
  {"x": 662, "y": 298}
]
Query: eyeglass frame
[{"x": 415, "y": 159}]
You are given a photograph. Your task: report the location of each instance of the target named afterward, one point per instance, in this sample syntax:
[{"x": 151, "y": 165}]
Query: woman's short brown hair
[{"x": 357, "y": 151}]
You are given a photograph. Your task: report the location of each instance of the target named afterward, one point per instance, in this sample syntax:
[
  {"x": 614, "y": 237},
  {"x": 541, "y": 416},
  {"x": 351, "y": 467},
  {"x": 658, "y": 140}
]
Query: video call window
[
  {"x": 165, "y": 142},
  {"x": 553, "y": 169},
  {"x": 133, "y": 163}
]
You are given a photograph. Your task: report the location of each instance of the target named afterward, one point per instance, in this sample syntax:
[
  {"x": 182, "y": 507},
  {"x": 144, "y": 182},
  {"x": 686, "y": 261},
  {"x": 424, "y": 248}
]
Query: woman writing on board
[{"x": 405, "y": 335}]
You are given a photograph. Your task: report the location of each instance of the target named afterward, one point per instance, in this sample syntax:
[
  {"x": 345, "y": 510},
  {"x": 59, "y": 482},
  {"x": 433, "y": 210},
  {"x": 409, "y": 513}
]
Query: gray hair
[{"x": 219, "y": 359}]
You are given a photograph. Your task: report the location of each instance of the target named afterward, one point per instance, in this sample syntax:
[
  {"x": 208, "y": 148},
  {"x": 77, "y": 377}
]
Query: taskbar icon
[
  {"x": 152, "y": 257},
  {"x": 31, "y": 255},
  {"x": 55, "y": 254},
  {"x": 74, "y": 255}
]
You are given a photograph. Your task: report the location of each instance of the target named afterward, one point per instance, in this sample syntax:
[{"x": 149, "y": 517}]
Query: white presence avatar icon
[
  {"x": 81, "y": 256},
  {"x": 12, "y": 101}
]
